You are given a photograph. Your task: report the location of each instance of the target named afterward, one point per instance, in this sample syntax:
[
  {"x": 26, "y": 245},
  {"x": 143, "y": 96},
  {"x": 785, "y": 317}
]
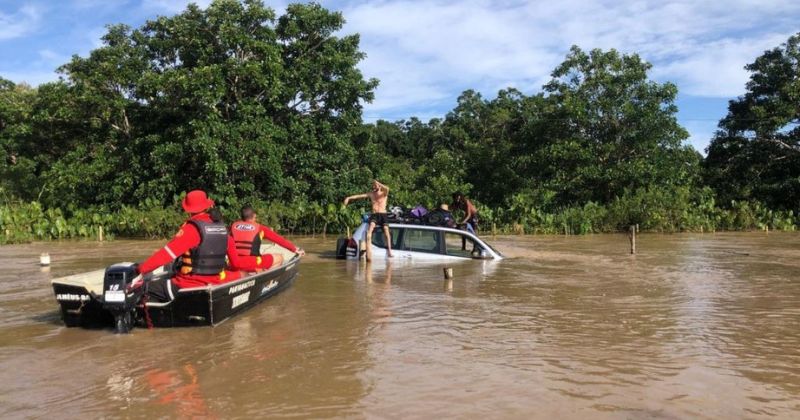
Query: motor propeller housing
[{"x": 117, "y": 298}]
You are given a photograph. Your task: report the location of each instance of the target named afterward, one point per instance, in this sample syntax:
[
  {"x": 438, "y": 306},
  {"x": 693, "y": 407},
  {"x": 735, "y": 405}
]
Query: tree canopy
[
  {"x": 252, "y": 106},
  {"x": 227, "y": 98},
  {"x": 755, "y": 155}
]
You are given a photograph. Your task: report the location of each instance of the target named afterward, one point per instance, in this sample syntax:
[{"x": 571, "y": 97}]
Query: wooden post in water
[
  {"x": 100, "y": 233},
  {"x": 632, "y": 237},
  {"x": 448, "y": 285},
  {"x": 494, "y": 229}
]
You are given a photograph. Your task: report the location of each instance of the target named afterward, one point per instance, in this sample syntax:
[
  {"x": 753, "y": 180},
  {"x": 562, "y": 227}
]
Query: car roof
[{"x": 427, "y": 227}]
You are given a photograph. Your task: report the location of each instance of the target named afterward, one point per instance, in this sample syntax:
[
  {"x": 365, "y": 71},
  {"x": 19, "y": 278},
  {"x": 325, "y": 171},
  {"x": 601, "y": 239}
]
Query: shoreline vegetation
[
  {"x": 27, "y": 222},
  {"x": 266, "y": 109}
]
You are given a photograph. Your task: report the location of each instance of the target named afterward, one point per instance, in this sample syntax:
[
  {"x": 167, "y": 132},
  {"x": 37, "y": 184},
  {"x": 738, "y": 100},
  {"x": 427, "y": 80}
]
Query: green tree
[
  {"x": 225, "y": 98},
  {"x": 608, "y": 129},
  {"x": 493, "y": 139},
  {"x": 755, "y": 155},
  {"x": 17, "y": 169}
]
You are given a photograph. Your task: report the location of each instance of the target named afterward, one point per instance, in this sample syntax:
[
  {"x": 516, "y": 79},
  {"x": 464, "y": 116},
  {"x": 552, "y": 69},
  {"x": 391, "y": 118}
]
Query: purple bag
[{"x": 419, "y": 211}]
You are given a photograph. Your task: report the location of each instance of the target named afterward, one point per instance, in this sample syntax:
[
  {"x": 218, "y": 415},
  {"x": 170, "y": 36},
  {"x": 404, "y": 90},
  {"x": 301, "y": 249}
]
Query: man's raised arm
[
  {"x": 383, "y": 187},
  {"x": 355, "y": 197}
]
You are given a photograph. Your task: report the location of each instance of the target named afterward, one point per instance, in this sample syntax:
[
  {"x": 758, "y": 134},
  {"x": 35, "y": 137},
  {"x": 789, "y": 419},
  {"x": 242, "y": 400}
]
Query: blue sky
[{"x": 427, "y": 52}]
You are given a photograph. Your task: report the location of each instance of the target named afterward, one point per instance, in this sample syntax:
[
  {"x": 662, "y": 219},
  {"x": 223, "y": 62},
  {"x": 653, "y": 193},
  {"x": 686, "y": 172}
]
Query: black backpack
[{"x": 440, "y": 217}]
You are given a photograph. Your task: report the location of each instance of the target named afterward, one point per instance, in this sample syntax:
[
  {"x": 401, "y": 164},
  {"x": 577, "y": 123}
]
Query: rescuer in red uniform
[
  {"x": 247, "y": 234},
  {"x": 201, "y": 245}
]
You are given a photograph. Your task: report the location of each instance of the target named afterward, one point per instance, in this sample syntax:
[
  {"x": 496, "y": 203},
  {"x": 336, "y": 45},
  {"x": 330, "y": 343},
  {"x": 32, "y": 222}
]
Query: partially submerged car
[{"x": 420, "y": 242}]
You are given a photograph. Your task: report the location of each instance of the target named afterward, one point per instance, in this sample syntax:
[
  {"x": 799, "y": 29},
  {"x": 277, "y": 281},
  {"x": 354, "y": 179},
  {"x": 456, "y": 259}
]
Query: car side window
[
  {"x": 460, "y": 245},
  {"x": 421, "y": 240},
  {"x": 378, "y": 238}
]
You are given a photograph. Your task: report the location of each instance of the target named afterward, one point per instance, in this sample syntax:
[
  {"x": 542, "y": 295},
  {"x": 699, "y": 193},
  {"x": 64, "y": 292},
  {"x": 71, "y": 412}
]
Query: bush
[
  {"x": 655, "y": 210},
  {"x": 25, "y": 222}
]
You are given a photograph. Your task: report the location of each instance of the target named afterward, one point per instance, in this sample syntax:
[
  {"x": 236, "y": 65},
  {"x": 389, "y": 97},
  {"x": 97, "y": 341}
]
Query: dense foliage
[
  {"x": 229, "y": 99},
  {"x": 756, "y": 153},
  {"x": 265, "y": 109}
]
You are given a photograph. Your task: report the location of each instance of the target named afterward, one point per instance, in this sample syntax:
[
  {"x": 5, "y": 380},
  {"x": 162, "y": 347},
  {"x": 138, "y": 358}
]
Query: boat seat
[{"x": 93, "y": 280}]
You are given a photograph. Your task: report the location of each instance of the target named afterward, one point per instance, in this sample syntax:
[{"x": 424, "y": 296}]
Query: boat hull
[
  {"x": 81, "y": 307},
  {"x": 214, "y": 305},
  {"x": 199, "y": 306}
]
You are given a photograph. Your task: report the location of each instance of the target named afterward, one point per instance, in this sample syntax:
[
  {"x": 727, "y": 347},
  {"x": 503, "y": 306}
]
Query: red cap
[{"x": 196, "y": 201}]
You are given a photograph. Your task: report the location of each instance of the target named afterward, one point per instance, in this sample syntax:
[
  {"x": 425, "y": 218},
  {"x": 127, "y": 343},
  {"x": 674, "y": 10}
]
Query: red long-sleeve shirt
[
  {"x": 187, "y": 238},
  {"x": 269, "y": 234}
]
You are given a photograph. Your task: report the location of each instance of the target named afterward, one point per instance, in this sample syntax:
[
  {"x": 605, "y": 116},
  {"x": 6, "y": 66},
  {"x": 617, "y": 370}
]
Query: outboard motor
[
  {"x": 341, "y": 248},
  {"x": 116, "y": 297}
]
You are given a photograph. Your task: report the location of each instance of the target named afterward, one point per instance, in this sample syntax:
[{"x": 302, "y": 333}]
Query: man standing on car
[
  {"x": 378, "y": 196},
  {"x": 461, "y": 202},
  {"x": 470, "y": 222}
]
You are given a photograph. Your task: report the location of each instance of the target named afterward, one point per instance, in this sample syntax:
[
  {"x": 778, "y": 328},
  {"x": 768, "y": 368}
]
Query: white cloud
[
  {"x": 20, "y": 23},
  {"x": 49, "y": 55},
  {"x": 33, "y": 78},
  {"x": 172, "y": 6},
  {"x": 700, "y": 132},
  {"x": 94, "y": 39},
  {"x": 429, "y": 51},
  {"x": 99, "y": 4},
  {"x": 716, "y": 69}
]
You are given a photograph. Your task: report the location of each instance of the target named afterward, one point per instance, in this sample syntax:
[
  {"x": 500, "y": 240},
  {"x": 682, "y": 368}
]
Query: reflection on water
[
  {"x": 181, "y": 389},
  {"x": 697, "y": 326}
]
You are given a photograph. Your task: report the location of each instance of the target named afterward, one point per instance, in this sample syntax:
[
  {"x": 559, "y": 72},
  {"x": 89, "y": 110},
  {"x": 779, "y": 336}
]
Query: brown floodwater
[{"x": 693, "y": 326}]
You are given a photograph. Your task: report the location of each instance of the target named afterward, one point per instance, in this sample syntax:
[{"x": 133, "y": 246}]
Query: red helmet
[{"x": 196, "y": 201}]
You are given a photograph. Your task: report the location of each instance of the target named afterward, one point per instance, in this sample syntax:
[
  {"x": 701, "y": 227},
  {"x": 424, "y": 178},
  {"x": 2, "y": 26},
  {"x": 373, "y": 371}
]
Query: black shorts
[{"x": 378, "y": 218}]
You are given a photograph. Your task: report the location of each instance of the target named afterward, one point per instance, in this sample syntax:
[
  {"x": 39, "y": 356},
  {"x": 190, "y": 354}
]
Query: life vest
[
  {"x": 247, "y": 237},
  {"x": 207, "y": 258}
]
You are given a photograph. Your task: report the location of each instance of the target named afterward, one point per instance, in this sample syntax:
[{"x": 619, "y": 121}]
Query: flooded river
[{"x": 694, "y": 326}]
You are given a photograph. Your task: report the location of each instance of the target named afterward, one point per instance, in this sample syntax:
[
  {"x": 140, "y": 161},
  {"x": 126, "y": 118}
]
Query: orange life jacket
[{"x": 247, "y": 237}]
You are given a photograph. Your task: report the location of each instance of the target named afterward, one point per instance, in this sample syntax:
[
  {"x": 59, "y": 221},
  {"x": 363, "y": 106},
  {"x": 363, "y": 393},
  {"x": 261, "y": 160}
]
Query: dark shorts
[{"x": 378, "y": 218}]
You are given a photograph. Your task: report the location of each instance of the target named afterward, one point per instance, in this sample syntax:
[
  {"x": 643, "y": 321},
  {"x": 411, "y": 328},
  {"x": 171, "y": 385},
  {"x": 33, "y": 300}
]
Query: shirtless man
[
  {"x": 461, "y": 202},
  {"x": 379, "y": 195}
]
